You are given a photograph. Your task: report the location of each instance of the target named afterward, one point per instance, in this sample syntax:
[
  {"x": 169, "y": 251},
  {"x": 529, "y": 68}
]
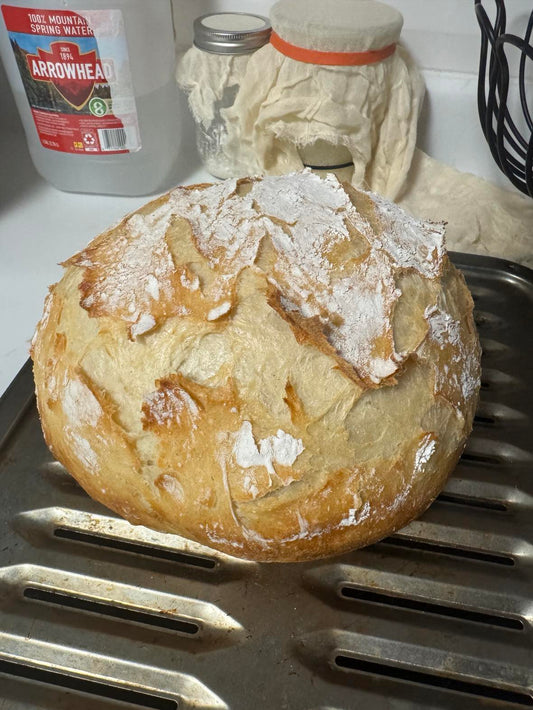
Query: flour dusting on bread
[{"x": 282, "y": 448}]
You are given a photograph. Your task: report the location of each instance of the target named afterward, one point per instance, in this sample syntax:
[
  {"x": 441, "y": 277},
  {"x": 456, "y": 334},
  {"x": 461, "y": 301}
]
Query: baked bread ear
[{"x": 281, "y": 368}]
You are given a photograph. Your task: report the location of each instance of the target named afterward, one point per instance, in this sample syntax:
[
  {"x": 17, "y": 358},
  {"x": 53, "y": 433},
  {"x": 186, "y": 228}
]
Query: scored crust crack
[{"x": 281, "y": 368}]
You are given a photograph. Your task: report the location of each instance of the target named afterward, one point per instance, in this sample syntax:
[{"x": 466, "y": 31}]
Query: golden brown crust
[{"x": 281, "y": 369}]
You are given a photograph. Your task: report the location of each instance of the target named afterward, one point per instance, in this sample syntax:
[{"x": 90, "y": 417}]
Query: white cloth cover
[
  {"x": 205, "y": 77},
  {"x": 336, "y": 25},
  {"x": 482, "y": 218},
  {"x": 211, "y": 82},
  {"x": 372, "y": 110}
]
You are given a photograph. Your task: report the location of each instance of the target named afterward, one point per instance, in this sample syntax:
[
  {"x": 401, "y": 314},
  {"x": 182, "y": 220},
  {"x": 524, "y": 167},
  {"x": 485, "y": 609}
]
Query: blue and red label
[{"x": 75, "y": 70}]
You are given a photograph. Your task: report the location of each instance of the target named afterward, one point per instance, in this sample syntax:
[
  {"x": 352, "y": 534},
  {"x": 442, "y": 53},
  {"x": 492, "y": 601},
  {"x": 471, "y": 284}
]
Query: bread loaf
[{"x": 281, "y": 368}]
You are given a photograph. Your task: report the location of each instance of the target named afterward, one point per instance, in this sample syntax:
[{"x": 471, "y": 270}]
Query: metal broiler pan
[{"x": 98, "y": 614}]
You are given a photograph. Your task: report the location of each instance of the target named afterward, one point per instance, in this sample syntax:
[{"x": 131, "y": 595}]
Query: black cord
[
  {"x": 512, "y": 152},
  {"x": 522, "y": 75}
]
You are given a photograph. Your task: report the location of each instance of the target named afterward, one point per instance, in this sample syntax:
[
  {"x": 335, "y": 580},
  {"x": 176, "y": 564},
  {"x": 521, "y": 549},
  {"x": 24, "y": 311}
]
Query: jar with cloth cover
[
  {"x": 210, "y": 72},
  {"x": 333, "y": 90}
]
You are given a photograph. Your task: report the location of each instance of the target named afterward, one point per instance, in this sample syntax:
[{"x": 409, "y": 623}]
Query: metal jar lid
[{"x": 231, "y": 32}]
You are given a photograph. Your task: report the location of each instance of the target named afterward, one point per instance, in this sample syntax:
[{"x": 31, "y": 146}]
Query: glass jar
[{"x": 211, "y": 72}]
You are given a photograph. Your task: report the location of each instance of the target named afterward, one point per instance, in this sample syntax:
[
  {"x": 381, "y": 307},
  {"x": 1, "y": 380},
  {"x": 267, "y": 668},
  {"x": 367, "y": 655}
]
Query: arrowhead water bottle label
[{"x": 75, "y": 69}]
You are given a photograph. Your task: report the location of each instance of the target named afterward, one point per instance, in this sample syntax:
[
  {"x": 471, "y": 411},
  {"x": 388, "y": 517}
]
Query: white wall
[{"x": 444, "y": 34}]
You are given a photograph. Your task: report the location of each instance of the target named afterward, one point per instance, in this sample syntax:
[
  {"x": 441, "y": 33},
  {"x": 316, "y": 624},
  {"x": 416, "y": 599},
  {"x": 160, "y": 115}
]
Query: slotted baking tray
[{"x": 98, "y": 614}]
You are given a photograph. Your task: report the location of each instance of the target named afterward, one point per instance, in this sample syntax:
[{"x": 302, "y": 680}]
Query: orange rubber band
[{"x": 315, "y": 56}]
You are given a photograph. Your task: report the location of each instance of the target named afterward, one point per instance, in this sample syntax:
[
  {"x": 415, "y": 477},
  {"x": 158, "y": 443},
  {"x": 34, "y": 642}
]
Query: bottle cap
[{"x": 231, "y": 32}]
